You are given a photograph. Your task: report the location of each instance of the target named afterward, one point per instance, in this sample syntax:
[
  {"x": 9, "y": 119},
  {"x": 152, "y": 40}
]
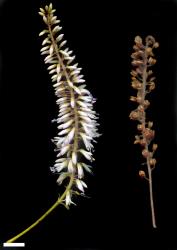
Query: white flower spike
[{"x": 77, "y": 121}]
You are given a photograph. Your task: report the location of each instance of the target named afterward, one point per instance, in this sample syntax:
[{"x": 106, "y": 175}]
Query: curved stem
[
  {"x": 151, "y": 194},
  {"x": 58, "y": 202}
]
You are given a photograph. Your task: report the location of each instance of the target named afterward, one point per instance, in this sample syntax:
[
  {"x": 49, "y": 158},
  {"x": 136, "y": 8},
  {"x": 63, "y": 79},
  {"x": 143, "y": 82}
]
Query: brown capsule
[
  {"x": 145, "y": 153},
  {"x": 142, "y": 174},
  {"x": 139, "y": 99},
  {"x": 134, "y": 78},
  {"x": 152, "y": 161},
  {"x": 140, "y": 127},
  {"x": 142, "y": 142},
  {"x": 154, "y": 147},
  {"x": 141, "y": 108},
  {"x": 150, "y": 72},
  {"x": 136, "y": 141},
  {"x": 148, "y": 134},
  {"x": 139, "y": 71},
  {"x": 149, "y": 50},
  {"x": 152, "y": 79},
  {"x": 138, "y": 40},
  {"x": 151, "y": 86},
  {"x": 151, "y": 61},
  {"x": 146, "y": 103},
  {"x": 150, "y": 124},
  {"x": 137, "y": 62},
  {"x": 133, "y": 73},
  {"x": 156, "y": 45},
  {"x": 134, "y": 115},
  {"x": 136, "y": 85},
  {"x": 133, "y": 98},
  {"x": 135, "y": 47},
  {"x": 150, "y": 40},
  {"x": 135, "y": 55}
]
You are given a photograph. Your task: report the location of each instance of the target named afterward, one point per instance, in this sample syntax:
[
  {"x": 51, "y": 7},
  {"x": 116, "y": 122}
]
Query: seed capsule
[{"x": 142, "y": 174}]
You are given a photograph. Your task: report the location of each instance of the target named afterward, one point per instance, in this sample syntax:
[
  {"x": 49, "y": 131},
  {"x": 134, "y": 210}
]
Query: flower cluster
[
  {"x": 143, "y": 83},
  {"x": 77, "y": 121}
]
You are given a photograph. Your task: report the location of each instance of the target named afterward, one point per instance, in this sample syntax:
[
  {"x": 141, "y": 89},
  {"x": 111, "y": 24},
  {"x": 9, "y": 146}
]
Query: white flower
[
  {"x": 74, "y": 157},
  {"x": 66, "y": 124},
  {"x": 68, "y": 198},
  {"x": 61, "y": 178},
  {"x": 64, "y": 149},
  {"x": 79, "y": 185},
  {"x": 65, "y": 131},
  {"x": 80, "y": 171},
  {"x": 86, "y": 154},
  {"x": 70, "y": 136},
  {"x": 86, "y": 140},
  {"x": 87, "y": 167}
]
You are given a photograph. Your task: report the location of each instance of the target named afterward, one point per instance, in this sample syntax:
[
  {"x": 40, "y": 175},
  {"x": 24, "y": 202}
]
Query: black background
[{"x": 117, "y": 216}]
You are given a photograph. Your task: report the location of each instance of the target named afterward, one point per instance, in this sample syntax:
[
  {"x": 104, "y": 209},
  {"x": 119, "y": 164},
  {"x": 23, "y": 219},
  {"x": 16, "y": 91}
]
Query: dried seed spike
[{"x": 143, "y": 83}]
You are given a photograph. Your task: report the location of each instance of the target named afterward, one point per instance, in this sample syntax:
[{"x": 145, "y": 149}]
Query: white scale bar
[{"x": 13, "y": 244}]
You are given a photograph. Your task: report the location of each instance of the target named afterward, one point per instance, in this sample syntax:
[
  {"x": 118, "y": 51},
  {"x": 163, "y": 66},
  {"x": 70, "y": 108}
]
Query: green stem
[{"x": 58, "y": 202}]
